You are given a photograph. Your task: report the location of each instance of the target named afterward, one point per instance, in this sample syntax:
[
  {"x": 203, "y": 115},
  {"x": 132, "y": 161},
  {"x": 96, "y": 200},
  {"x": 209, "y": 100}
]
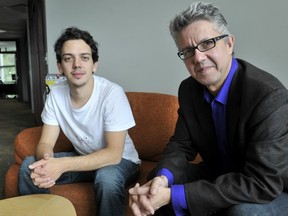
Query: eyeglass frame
[{"x": 215, "y": 39}]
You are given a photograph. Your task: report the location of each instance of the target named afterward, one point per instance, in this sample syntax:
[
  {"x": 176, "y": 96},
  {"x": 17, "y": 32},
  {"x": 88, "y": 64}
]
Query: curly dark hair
[{"x": 74, "y": 33}]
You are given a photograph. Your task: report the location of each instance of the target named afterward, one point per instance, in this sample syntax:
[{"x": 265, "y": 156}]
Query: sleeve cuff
[
  {"x": 168, "y": 174},
  {"x": 178, "y": 199}
]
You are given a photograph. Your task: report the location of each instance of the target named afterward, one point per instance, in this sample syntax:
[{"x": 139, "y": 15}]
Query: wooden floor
[{"x": 14, "y": 117}]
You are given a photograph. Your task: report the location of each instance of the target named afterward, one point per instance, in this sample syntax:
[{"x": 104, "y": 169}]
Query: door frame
[{"x": 38, "y": 50}]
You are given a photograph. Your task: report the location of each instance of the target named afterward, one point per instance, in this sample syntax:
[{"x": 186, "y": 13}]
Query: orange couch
[{"x": 155, "y": 115}]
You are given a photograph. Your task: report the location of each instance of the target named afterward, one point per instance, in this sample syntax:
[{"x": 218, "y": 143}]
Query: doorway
[{"x": 23, "y": 23}]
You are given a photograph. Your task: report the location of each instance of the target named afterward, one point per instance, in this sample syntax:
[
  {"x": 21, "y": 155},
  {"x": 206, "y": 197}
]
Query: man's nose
[
  {"x": 77, "y": 63},
  {"x": 199, "y": 56}
]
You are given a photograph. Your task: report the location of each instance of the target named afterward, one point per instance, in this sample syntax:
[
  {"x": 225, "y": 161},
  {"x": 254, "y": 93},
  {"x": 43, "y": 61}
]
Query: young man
[
  {"x": 95, "y": 115},
  {"x": 231, "y": 113}
]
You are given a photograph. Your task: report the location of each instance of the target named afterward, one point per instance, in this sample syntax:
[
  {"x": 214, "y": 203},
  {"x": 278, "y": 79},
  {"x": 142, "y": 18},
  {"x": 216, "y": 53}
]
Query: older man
[{"x": 231, "y": 113}]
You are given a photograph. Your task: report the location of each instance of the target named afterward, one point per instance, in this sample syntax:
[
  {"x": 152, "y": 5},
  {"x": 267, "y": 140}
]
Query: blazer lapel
[
  {"x": 233, "y": 108},
  {"x": 204, "y": 117}
]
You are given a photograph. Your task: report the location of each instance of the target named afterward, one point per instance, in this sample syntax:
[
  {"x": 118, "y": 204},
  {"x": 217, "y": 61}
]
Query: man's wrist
[{"x": 165, "y": 172}]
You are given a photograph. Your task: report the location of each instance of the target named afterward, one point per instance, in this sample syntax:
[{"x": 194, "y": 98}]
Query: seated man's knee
[
  {"x": 109, "y": 178},
  {"x": 26, "y": 162},
  {"x": 246, "y": 210}
]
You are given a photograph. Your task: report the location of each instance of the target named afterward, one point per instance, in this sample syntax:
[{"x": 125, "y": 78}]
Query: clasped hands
[
  {"x": 44, "y": 172},
  {"x": 146, "y": 199}
]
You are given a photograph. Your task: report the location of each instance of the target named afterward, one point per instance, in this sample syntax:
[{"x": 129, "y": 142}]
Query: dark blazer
[{"x": 257, "y": 120}]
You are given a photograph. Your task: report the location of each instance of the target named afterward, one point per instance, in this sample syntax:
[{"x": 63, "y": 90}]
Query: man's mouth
[
  {"x": 203, "y": 69},
  {"x": 78, "y": 74}
]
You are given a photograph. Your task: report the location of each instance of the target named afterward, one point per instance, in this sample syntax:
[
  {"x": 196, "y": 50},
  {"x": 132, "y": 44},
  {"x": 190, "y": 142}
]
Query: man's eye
[
  {"x": 188, "y": 52},
  {"x": 85, "y": 58},
  {"x": 67, "y": 59},
  {"x": 207, "y": 43}
]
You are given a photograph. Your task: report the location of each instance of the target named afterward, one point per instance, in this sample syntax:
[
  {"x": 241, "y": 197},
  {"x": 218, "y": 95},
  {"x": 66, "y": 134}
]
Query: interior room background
[{"x": 137, "y": 51}]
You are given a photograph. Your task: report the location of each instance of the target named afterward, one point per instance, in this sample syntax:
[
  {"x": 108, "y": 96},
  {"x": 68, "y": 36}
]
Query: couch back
[{"x": 155, "y": 115}]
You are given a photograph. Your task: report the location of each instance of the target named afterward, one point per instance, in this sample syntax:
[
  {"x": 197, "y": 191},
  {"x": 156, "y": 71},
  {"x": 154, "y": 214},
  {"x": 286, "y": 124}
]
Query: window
[{"x": 8, "y": 73}]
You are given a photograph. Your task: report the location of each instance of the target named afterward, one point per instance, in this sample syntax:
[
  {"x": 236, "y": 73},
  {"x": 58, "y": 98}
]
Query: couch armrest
[
  {"x": 26, "y": 141},
  {"x": 11, "y": 181}
]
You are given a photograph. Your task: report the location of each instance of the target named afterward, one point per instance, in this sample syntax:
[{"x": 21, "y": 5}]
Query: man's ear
[
  {"x": 95, "y": 66},
  {"x": 230, "y": 43}
]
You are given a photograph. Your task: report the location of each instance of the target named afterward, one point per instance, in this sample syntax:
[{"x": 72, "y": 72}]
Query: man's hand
[
  {"x": 149, "y": 197},
  {"x": 140, "y": 204},
  {"x": 40, "y": 173}
]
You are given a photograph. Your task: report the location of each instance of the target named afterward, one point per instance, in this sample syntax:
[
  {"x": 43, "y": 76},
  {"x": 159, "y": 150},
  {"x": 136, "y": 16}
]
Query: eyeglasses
[{"x": 202, "y": 47}]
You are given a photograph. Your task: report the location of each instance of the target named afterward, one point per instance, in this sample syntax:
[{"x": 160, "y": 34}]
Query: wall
[{"x": 137, "y": 51}]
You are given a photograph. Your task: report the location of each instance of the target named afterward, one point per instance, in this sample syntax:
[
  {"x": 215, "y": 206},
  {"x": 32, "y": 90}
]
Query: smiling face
[
  {"x": 210, "y": 68},
  {"x": 77, "y": 63}
]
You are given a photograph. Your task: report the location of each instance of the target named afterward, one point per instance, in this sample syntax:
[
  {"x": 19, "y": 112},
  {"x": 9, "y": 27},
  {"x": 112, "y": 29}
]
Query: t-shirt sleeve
[{"x": 118, "y": 113}]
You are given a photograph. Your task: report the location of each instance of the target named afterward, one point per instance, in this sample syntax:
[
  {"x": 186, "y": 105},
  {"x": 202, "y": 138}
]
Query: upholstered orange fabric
[
  {"x": 30, "y": 137},
  {"x": 155, "y": 115}
]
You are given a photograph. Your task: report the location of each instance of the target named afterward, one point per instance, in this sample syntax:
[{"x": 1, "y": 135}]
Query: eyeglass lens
[{"x": 202, "y": 47}]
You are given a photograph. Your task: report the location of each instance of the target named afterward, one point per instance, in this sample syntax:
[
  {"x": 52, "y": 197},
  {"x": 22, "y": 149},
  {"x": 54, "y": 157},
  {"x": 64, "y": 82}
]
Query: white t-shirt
[{"x": 107, "y": 110}]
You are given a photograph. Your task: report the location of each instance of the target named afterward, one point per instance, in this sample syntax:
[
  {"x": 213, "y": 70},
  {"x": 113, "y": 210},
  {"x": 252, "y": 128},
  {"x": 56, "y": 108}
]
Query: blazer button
[{"x": 212, "y": 213}]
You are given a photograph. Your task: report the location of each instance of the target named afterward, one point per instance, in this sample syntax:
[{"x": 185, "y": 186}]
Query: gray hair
[{"x": 195, "y": 12}]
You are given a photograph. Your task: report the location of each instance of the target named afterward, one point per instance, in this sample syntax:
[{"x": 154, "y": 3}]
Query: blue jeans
[{"x": 109, "y": 183}]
